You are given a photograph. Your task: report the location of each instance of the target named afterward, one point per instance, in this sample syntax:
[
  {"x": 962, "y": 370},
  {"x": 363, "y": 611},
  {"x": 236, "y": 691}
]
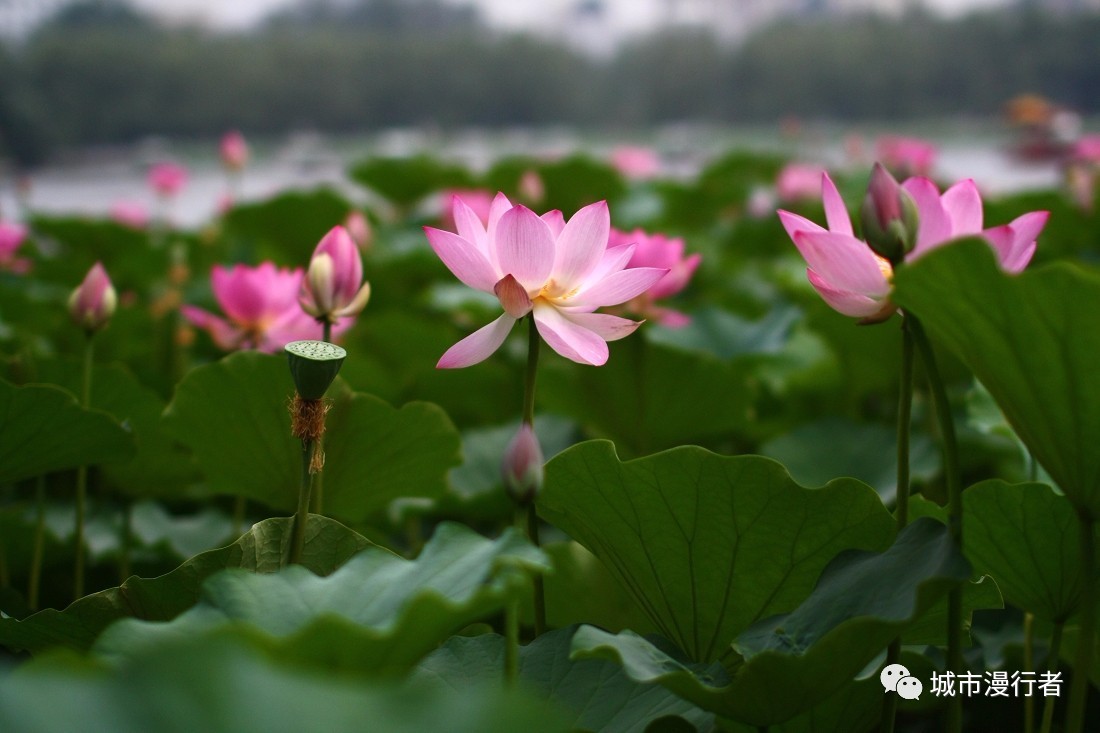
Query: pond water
[{"x": 93, "y": 187}]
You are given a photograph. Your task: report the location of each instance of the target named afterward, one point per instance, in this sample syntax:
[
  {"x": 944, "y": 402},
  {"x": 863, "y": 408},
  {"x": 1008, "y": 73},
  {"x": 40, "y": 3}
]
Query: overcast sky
[{"x": 628, "y": 14}]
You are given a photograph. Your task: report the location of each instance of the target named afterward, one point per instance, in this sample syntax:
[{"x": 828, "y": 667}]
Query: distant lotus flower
[
  {"x": 11, "y": 237},
  {"x": 479, "y": 200},
  {"x": 130, "y": 214},
  {"x": 531, "y": 187},
  {"x": 234, "y": 150},
  {"x": 635, "y": 161},
  {"x": 560, "y": 272},
  {"x": 906, "y": 156},
  {"x": 93, "y": 303},
  {"x": 1087, "y": 150},
  {"x": 857, "y": 282},
  {"x": 798, "y": 181},
  {"x": 167, "y": 179},
  {"x": 359, "y": 228},
  {"x": 658, "y": 251},
  {"x": 333, "y": 287},
  {"x": 261, "y": 305}
]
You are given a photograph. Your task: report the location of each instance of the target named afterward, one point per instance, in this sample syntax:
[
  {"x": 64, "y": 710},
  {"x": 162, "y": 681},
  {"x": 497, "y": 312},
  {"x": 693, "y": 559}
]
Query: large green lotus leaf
[
  {"x": 796, "y": 660},
  {"x": 708, "y": 544},
  {"x": 159, "y": 466},
  {"x": 1032, "y": 341},
  {"x": 378, "y": 614},
  {"x": 124, "y": 252},
  {"x": 404, "y": 181},
  {"x": 286, "y": 227},
  {"x": 855, "y": 708},
  {"x": 217, "y": 686},
  {"x": 263, "y": 549},
  {"x": 728, "y": 336},
  {"x": 597, "y": 693},
  {"x": 649, "y": 397},
  {"x": 233, "y": 415},
  {"x": 43, "y": 429},
  {"x": 834, "y": 446},
  {"x": 1028, "y": 539}
]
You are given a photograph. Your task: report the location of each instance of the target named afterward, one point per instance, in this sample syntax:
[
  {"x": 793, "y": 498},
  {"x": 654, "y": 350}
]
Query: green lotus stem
[
  {"x": 1052, "y": 665},
  {"x": 533, "y": 341},
  {"x": 298, "y": 538},
  {"x": 1029, "y": 666},
  {"x": 318, "y": 501},
  {"x": 34, "y": 582},
  {"x": 126, "y": 540},
  {"x": 511, "y": 643},
  {"x": 1079, "y": 690},
  {"x": 954, "y": 510},
  {"x": 82, "y": 475},
  {"x": 905, "y": 411}
]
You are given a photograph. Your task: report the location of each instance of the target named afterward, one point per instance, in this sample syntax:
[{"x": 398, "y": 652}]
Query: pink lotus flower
[
  {"x": 857, "y": 282},
  {"x": 167, "y": 179},
  {"x": 261, "y": 304},
  {"x": 635, "y": 161},
  {"x": 11, "y": 237},
  {"x": 234, "y": 150},
  {"x": 1087, "y": 150},
  {"x": 333, "y": 287},
  {"x": 798, "y": 181},
  {"x": 906, "y": 156},
  {"x": 658, "y": 251},
  {"x": 531, "y": 188},
  {"x": 130, "y": 214},
  {"x": 479, "y": 200},
  {"x": 559, "y": 272},
  {"x": 93, "y": 303}
]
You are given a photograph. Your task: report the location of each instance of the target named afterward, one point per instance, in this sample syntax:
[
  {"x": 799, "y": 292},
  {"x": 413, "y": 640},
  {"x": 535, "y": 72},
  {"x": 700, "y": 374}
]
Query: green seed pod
[{"x": 313, "y": 365}]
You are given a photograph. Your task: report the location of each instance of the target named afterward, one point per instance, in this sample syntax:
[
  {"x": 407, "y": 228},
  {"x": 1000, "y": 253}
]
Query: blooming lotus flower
[
  {"x": 557, "y": 271},
  {"x": 93, "y": 303},
  {"x": 261, "y": 305},
  {"x": 798, "y": 181},
  {"x": 234, "y": 150},
  {"x": 333, "y": 287},
  {"x": 855, "y": 281},
  {"x": 478, "y": 200},
  {"x": 167, "y": 178},
  {"x": 11, "y": 237},
  {"x": 658, "y": 251},
  {"x": 906, "y": 156}
]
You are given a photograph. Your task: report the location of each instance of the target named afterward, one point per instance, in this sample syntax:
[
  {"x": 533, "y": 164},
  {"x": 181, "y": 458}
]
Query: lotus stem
[
  {"x": 82, "y": 474},
  {"x": 905, "y": 410},
  {"x": 34, "y": 582},
  {"x": 1052, "y": 665},
  {"x": 954, "y": 510},
  {"x": 1029, "y": 666},
  {"x": 533, "y": 341},
  {"x": 511, "y": 643},
  {"x": 1079, "y": 691},
  {"x": 298, "y": 538}
]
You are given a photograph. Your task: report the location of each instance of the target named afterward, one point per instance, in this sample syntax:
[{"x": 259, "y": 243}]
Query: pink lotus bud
[
  {"x": 359, "y": 228},
  {"x": 234, "y": 150},
  {"x": 799, "y": 181},
  {"x": 167, "y": 178},
  {"x": 531, "y": 188},
  {"x": 130, "y": 214},
  {"x": 636, "y": 162},
  {"x": 333, "y": 286},
  {"x": 889, "y": 217},
  {"x": 11, "y": 237},
  {"x": 521, "y": 469},
  {"x": 92, "y": 304}
]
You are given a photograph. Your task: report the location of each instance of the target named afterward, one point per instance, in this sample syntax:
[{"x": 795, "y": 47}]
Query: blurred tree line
[{"x": 101, "y": 73}]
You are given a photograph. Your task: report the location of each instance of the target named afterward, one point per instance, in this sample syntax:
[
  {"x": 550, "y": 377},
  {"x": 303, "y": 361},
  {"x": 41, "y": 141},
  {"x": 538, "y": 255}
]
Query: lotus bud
[
  {"x": 93, "y": 303},
  {"x": 521, "y": 469},
  {"x": 359, "y": 229},
  {"x": 333, "y": 286},
  {"x": 889, "y": 217},
  {"x": 234, "y": 150}
]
